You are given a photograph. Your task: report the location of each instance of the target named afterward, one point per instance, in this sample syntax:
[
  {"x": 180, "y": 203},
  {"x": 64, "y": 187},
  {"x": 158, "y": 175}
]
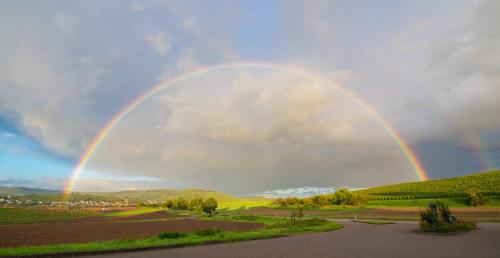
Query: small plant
[
  {"x": 171, "y": 235},
  {"x": 208, "y": 232}
]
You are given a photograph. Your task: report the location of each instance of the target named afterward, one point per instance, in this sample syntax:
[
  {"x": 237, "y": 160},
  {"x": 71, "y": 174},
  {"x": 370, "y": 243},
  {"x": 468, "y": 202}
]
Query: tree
[
  {"x": 344, "y": 197},
  {"x": 476, "y": 199},
  {"x": 209, "y": 206},
  {"x": 196, "y": 204}
]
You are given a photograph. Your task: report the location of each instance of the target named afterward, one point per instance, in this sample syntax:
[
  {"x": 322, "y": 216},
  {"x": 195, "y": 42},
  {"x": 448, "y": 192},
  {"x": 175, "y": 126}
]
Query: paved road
[{"x": 354, "y": 240}]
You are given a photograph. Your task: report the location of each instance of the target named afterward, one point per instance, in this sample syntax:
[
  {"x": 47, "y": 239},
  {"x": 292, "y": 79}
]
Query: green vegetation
[
  {"x": 476, "y": 199},
  {"x": 30, "y": 215},
  {"x": 132, "y": 212},
  {"x": 169, "y": 194},
  {"x": 209, "y": 206},
  {"x": 275, "y": 227},
  {"x": 171, "y": 235},
  {"x": 208, "y": 232},
  {"x": 341, "y": 197},
  {"x": 486, "y": 183},
  {"x": 438, "y": 218}
]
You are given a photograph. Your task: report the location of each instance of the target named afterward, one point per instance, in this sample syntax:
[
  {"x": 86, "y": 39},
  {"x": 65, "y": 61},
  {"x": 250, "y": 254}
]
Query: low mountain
[{"x": 21, "y": 191}]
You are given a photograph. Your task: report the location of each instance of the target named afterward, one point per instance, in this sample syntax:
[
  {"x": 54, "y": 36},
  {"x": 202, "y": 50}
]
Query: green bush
[
  {"x": 208, "y": 232},
  {"x": 457, "y": 226},
  {"x": 476, "y": 199},
  {"x": 438, "y": 218},
  {"x": 171, "y": 235}
]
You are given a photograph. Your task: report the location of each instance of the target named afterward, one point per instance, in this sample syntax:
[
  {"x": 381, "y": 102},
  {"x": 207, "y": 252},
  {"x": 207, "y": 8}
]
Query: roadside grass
[
  {"x": 30, "y": 215},
  {"x": 374, "y": 222},
  {"x": 275, "y": 227}
]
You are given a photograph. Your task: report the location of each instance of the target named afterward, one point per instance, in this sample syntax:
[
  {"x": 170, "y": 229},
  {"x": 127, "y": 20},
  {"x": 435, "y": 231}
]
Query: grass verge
[{"x": 275, "y": 227}]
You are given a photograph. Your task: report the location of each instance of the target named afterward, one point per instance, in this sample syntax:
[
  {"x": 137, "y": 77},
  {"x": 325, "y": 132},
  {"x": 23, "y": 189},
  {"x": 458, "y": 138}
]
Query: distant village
[{"x": 12, "y": 200}]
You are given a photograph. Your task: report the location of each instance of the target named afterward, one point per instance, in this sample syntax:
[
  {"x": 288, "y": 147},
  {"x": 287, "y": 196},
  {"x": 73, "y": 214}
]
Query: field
[
  {"x": 488, "y": 183},
  {"x": 27, "y": 231},
  {"x": 378, "y": 213},
  {"x": 27, "y": 215},
  {"x": 140, "y": 228}
]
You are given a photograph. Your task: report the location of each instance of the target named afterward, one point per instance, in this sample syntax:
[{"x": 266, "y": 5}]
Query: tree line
[{"x": 340, "y": 197}]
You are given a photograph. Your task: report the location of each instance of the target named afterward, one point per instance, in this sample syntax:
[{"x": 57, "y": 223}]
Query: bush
[
  {"x": 171, "y": 235},
  {"x": 457, "y": 226},
  {"x": 438, "y": 218},
  {"x": 476, "y": 199},
  {"x": 208, "y": 232}
]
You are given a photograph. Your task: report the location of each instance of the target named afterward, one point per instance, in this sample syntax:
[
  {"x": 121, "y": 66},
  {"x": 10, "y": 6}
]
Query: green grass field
[
  {"x": 275, "y": 227},
  {"x": 30, "y": 215}
]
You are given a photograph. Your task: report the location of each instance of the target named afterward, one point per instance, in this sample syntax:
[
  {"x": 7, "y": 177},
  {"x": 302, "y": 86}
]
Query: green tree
[
  {"x": 476, "y": 199},
  {"x": 209, "y": 206},
  {"x": 196, "y": 204}
]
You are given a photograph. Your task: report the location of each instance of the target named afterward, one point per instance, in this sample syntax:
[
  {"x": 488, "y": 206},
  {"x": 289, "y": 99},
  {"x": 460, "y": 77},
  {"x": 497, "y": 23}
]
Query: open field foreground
[
  {"x": 354, "y": 240},
  {"x": 108, "y": 228}
]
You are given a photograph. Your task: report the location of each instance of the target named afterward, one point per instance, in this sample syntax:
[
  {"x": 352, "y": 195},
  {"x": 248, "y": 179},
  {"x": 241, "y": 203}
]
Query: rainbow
[{"x": 408, "y": 153}]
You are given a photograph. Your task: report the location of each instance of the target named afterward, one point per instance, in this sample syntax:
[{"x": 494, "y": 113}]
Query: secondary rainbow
[{"x": 408, "y": 153}]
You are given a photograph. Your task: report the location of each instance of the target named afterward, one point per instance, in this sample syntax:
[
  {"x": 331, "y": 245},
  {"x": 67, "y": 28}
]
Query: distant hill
[
  {"x": 488, "y": 182},
  {"x": 20, "y": 191},
  {"x": 163, "y": 194}
]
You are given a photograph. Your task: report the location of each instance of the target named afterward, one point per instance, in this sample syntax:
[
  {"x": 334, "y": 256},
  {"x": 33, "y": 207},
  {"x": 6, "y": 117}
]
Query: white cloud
[
  {"x": 160, "y": 42},
  {"x": 66, "y": 23}
]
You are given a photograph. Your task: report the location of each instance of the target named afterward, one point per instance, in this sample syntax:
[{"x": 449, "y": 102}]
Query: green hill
[
  {"x": 20, "y": 191},
  {"x": 164, "y": 194},
  {"x": 488, "y": 182}
]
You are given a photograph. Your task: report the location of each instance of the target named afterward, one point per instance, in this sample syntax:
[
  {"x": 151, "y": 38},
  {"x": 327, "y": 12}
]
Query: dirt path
[{"x": 355, "y": 240}]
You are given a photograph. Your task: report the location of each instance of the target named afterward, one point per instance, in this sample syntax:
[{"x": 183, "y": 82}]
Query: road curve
[{"x": 354, "y": 240}]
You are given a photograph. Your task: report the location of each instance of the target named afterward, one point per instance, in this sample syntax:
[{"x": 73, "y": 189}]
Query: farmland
[
  {"x": 488, "y": 183},
  {"x": 141, "y": 231}
]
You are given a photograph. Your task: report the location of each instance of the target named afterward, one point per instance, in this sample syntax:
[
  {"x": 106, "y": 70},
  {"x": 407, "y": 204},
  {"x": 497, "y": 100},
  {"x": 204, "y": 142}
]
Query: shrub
[
  {"x": 171, "y": 235},
  {"x": 208, "y": 232},
  {"x": 438, "y": 218},
  {"x": 476, "y": 199},
  {"x": 447, "y": 227}
]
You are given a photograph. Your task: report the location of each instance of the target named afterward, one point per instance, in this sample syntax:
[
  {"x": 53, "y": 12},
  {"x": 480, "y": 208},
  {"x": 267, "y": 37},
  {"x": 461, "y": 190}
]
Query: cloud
[
  {"x": 244, "y": 130},
  {"x": 66, "y": 23},
  {"x": 159, "y": 41},
  {"x": 468, "y": 58}
]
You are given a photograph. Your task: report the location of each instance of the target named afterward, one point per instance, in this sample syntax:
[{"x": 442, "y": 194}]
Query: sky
[{"x": 431, "y": 69}]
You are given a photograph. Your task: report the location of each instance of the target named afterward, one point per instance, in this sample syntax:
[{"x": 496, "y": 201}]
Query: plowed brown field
[{"x": 107, "y": 228}]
